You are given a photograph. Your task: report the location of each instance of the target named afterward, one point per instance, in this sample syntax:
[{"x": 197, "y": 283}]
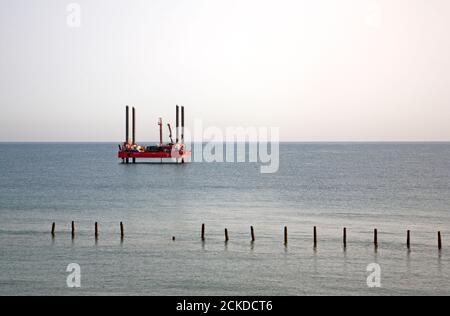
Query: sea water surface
[{"x": 361, "y": 186}]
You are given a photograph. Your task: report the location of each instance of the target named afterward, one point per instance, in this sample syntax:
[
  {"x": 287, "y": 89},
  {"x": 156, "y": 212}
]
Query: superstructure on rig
[{"x": 130, "y": 150}]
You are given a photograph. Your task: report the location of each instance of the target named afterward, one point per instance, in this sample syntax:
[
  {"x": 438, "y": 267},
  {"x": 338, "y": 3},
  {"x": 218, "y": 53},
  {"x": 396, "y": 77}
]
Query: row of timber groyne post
[
  {"x": 96, "y": 230},
  {"x": 315, "y": 237},
  {"x": 253, "y": 236}
]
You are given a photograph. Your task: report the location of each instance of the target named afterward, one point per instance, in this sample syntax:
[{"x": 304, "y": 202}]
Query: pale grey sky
[{"x": 320, "y": 70}]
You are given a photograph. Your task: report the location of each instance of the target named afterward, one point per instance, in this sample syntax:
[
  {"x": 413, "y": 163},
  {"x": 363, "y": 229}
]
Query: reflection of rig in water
[{"x": 173, "y": 150}]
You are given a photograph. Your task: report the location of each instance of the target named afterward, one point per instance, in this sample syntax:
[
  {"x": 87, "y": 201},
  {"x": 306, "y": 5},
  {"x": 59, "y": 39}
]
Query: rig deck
[{"x": 176, "y": 150}]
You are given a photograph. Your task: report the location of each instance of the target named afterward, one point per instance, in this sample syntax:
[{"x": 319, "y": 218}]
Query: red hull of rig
[
  {"x": 154, "y": 155},
  {"x": 130, "y": 150}
]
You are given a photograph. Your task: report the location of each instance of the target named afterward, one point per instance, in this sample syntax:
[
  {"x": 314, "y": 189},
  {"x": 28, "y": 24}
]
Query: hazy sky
[{"x": 319, "y": 70}]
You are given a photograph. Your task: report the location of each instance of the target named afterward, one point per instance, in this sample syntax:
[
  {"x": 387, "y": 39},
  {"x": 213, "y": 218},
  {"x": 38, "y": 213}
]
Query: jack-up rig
[{"x": 130, "y": 150}]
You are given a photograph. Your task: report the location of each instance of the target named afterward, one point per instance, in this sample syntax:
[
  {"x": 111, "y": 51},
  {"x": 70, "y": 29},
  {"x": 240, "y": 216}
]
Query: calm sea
[{"x": 361, "y": 186}]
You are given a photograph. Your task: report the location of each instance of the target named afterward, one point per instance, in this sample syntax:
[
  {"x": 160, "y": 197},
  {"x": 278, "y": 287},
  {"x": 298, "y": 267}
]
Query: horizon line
[{"x": 281, "y": 141}]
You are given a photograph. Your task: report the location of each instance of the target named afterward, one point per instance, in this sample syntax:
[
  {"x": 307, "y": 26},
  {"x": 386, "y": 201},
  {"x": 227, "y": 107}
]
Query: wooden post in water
[
  {"x": 53, "y": 229},
  {"x": 122, "y": 233},
  {"x": 345, "y": 237},
  {"x": 439, "y": 241},
  {"x": 285, "y": 235},
  {"x": 408, "y": 239},
  {"x": 315, "y": 237},
  {"x": 252, "y": 233},
  {"x": 226, "y": 235},
  {"x": 375, "y": 237},
  {"x": 96, "y": 230},
  {"x": 73, "y": 229},
  {"x": 203, "y": 232}
]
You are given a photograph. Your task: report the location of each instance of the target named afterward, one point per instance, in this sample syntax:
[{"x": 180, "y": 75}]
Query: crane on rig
[{"x": 130, "y": 150}]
